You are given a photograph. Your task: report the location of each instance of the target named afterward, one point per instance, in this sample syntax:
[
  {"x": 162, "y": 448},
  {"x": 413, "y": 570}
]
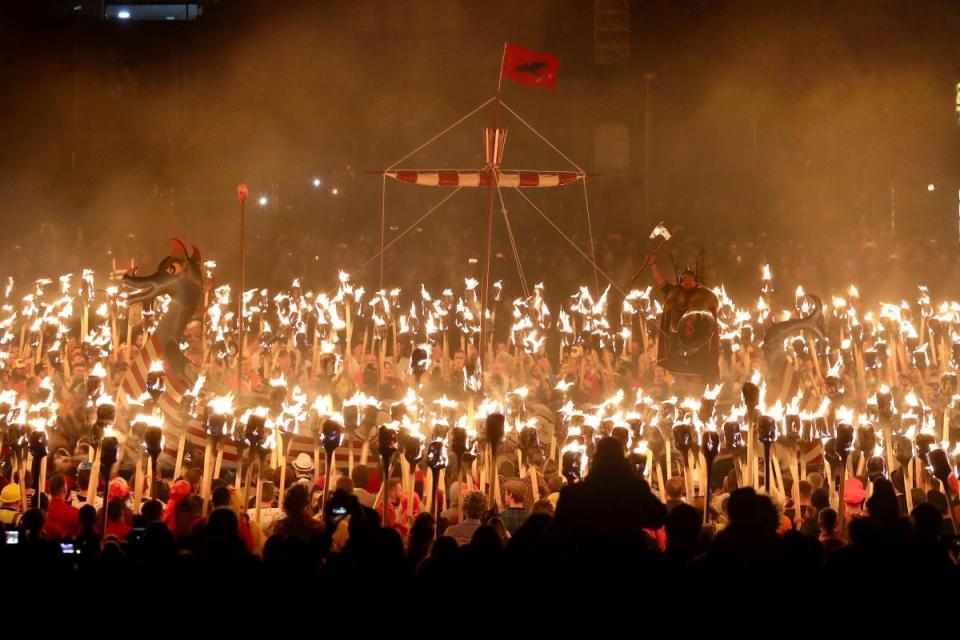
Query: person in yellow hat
[{"x": 9, "y": 509}]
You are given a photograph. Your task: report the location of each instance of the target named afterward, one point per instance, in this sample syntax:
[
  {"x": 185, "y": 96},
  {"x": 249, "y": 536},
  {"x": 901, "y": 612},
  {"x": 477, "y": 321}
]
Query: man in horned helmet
[{"x": 689, "y": 342}]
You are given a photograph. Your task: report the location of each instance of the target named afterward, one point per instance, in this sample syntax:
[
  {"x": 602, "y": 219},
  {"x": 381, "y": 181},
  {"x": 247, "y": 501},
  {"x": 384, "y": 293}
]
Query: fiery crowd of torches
[{"x": 867, "y": 430}]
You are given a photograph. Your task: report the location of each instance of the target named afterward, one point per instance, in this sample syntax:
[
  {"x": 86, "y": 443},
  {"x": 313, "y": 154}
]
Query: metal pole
[
  {"x": 242, "y": 193},
  {"x": 647, "y": 79},
  {"x": 488, "y": 242},
  {"x": 893, "y": 210}
]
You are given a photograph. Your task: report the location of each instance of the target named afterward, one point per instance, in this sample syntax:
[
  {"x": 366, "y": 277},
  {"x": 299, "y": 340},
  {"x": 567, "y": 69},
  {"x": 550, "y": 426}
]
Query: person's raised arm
[{"x": 655, "y": 271}]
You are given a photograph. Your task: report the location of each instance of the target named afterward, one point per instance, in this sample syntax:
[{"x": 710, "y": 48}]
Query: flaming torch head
[
  {"x": 866, "y": 440},
  {"x": 683, "y": 438},
  {"x": 924, "y": 443},
  {"x": 792, "y": 423},
  {"x": 436, "y": 455},
  {"x": 710, "y": 444},
  {"x": 153, "y": 440},
  {"x": 844, "y": 439},
  {"x": 766, "y": 429},
  {"x": 875, "y": 467},
  {"x": 95, "y": 380},
  {"x": 941, "y": 466},
  {"x": 387, "y": 441},
  {"x": 351, "y": 416},
  {"x": 109, "y": 451},
  {"x": 493, "y": 429},
  {"x": 419, "y": 361},
  {"x": 458, "y": 441},
  {"x": 572, "y": 463},
  {"x": 885, "y": 409},
  {"x": 37, "y": 443},
  {"x": 528, "y": 440},
  {"x": 411, "y": 445},
  {"x": 655, "y": 441},
  {"x": 156, "y": 380},
  {"x": 732, "y": 436},
  {"x": 902, "y": 448},
  {"x": 830, "y": 453},
  {"x": 255, "y": 431},
  {"x": 638, "y": 460},
  {"x": 332, "y": 435},
  {"x": 622, "y": 434},
  {"x": 217, "y": 425},
  {"x": 106, "y": 412}
]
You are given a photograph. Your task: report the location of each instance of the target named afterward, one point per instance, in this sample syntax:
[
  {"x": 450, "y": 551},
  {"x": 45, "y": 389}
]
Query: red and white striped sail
[{"x": 522, "y": 179}]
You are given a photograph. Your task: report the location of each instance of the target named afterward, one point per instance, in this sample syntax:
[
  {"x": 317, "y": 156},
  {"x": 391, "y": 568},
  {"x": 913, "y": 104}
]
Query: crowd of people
[
  {"x": 536, "y": 528},
  {"x": 608, "y": 532},
  {"x": 884, "y": 266}
]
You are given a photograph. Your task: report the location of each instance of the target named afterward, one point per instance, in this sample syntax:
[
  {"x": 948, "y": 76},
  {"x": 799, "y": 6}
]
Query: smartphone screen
[{"x": 13, "y": 537}]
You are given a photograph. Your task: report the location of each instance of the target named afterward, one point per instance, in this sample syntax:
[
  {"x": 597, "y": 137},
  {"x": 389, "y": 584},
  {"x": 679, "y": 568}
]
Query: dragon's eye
[{"x": 174, "y": 268}]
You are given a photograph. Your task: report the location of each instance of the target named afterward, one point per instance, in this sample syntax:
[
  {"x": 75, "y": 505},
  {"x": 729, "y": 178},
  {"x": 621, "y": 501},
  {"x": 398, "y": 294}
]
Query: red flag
[{"x": 529, "y": 67}]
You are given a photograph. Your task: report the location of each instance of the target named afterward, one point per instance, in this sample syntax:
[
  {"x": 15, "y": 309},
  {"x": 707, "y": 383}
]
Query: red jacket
[
  {"x": 119, "y": 529},
  {"x": 64, "y": 516}
]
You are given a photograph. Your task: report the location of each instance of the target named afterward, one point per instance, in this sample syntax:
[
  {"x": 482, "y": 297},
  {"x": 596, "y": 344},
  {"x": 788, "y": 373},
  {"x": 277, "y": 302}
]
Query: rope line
[
  {"x": 439, "y": 135},
  {"x": 513, "y": 244},
  {"x": 569, "y": 241}
]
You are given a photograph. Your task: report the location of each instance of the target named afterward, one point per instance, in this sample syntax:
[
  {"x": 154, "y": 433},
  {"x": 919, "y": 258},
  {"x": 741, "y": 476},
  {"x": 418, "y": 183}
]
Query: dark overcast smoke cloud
[{"x": 783, "y": 116}]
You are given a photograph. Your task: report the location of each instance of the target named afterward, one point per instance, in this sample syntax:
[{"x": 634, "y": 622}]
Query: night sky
[{"x": 780, "y": 115}]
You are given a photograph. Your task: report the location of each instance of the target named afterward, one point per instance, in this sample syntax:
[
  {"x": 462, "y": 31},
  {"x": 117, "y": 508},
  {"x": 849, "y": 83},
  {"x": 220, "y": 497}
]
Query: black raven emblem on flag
[{"x": 532, "y": 68}]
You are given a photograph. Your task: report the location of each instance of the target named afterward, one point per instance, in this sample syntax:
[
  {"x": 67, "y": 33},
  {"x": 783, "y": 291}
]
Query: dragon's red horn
[
  {"x": 179, "y": 249},
  {"x": 195, "y": 253}
]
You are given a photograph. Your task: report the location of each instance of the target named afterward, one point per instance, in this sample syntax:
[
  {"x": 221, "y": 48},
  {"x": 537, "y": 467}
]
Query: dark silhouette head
[
  {"x": 883, "y": 505},
  {"x": 609, "y": 456},
  {"x": 683, "y": 527}
]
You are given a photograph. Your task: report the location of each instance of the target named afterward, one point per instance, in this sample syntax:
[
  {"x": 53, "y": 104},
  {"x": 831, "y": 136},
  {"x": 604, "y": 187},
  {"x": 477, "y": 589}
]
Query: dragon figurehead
[
  {"x": 773, "y": 353},
  {"x": 179, "y": 276}
]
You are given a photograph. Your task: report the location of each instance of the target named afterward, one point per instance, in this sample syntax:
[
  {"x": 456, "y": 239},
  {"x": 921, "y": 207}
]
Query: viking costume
[{"x": 689, "y": 342}]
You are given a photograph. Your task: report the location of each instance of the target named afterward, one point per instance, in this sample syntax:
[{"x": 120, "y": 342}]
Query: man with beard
[{"x": 689, "y": 343}]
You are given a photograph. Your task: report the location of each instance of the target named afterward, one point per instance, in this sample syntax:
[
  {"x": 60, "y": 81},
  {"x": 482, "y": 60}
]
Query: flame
[
  {"x": 711, "y": 393},
  {"x": 222, "y": 405},
  {"x": 150, "y": 420},
  {"x": 104, "y": 400},
  {"x": 844, "y": 415},
  {"x": 323, "y": 405},
  {"x": 834, "y": 371},
  {"x": 911, "y": 400},
  {"x": 575, "y": 446}
]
